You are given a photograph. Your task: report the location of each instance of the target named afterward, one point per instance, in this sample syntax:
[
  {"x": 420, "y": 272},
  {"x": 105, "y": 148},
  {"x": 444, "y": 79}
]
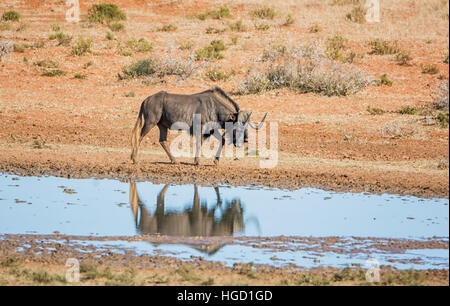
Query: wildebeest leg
[
  {"x": 198, "y": 145},
  {"x": 163, "y": 142},
  {"x": 219, "y": 200},
  {"x": 219, "y": 151}
]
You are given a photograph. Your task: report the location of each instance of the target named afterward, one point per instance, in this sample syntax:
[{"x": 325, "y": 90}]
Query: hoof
[
  {"x": 216, "y": 162},
  {"x": 174, "y": 162}
]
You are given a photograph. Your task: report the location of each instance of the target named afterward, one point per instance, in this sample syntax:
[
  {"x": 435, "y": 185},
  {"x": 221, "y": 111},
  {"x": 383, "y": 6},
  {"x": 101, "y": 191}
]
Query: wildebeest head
[{"x": 240, "y": 131}]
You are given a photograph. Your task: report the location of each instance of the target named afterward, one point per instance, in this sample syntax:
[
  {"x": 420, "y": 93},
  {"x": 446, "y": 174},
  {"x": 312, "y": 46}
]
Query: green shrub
[
  {"x": 407, "y": 110},
  {"x": 385, "y": 81},
  {"x": 220, "y": 13},
  {"x": 47, "y": 64},
  {"x": 262, "y": 27},
  {"x": 264, "y": 13},
  {"x": 289, "y": 20},
  {"x": 357, "y": 14},
  {"x": 143, "y": 67},
  {"x": 168, "y": 28},
  {"x": 11, "y": 16},
  {"x": 79, "y": 75},
  {"x": 116, "y": 26},
  {"x": 211, "y": 52},
  {"x": 109, "y": 36},
  {"x": 430, "y": 69},
  {"x": 375, "y": 110},
  {"x": 20, "y": 48},
  {"x": 238, "y": 26},
  {"x": 105, "y": 12},
  {"x": 216, "y": 75},
  {"x": 63, "y": 39},
  {"x": 82, "y": 47},
  {"x": 383, "y": 47},
  {"x": 55, "y": 27},
  {"x": 54, "y": 72},
  {"x": 443, "y": 119},
  {"x": 403, "y": 58},
  {"x": 140, "y": 45},
  {"x": 335, "y": 46}
]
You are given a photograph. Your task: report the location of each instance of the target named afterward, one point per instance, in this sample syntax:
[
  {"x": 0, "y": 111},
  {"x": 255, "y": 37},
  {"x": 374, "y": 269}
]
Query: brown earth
[{"x": 72, "y": 127}]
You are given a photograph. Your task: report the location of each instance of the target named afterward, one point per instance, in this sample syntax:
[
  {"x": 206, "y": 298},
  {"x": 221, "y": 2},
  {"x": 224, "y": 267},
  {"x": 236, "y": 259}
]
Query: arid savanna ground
[{"x": 69, "y": 111}]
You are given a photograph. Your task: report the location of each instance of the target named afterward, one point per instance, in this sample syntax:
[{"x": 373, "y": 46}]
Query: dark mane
[{"x": 223, "y": 97}]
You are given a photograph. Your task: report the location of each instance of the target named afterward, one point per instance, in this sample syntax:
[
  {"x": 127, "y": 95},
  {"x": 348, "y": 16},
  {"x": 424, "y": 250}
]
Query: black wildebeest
[{"x": 214, "y": 105}]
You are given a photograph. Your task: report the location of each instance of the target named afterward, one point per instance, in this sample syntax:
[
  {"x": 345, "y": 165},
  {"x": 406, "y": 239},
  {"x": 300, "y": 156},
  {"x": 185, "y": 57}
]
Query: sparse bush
[
  {"x": 88, "y": 64},
  {"x": 443, "y": 120},
  {"x": 63, "y": 39},
  {"x": 357, "y": 14},
  {"x": 305, "y": 69},
  {"x": 385, "y": 81},
  {"x": 336, "y": 45},
  {"x": 166, "y": 65},
  {"x": 79, "y": 75},
  {"x": 186, "y": 46},
  {"x": 220, "y": 13},
  {"x": 130, "y": 94},
  {"x": 264, "y": 13},
  {"x": 82, "y": 47},
  {"x": 55, "y": 27},
  {"x": 430, "y": 69},
  {"x": 172, "y": 65},
  {"x": 407, "y": 110},
  {"x": 238, "y": 26},
  {"x": 440, "y": 99},
  {"x": 445, "y": 61},
  {"x": 42, "y": 276},
  {"x": 143, "y": 67},
  {"x": 217, "y": 75},
  {"x": 116, "y": 26},
  {"x": 20, "y": 48},
  {"x": 289, "y": 20},
  {"x": 46, "y": 64},
  {"x": 54, "y": 72},
  {"x": 105, "y": 12},
  {"x": 383, "y": 47},
  {"x": 6, "y": 46},
  {"x": 5, "y": 25},
  {"x": 141, "y": 45},
  {"x": 22, "y": 26},
  {"x": 315, "y": 28},
  {"x": 212, "y": 30},
  {"x": 211, "y": 52},
  {"x": 11, "y": 16},
  {"x": 375, "y": 110},
  {"x": 168, "y": 28},
  {"x": 403, "y": 58},
  {"x": 262, "y": 26},
  {"x": 109, "y": 36}
]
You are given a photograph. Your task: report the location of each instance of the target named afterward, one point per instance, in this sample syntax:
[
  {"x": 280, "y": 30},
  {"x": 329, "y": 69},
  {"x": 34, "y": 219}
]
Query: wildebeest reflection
[{"x": 196, "y": 220}]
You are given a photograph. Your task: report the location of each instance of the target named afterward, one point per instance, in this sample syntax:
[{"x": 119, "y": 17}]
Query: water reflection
[{"x": 223, "y": 219}]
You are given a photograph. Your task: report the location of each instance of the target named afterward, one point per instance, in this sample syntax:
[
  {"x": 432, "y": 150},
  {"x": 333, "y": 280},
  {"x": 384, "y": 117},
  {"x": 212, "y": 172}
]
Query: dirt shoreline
[
  {"x": 43, "y": 263},
  {"x": 241, "y": 172}
]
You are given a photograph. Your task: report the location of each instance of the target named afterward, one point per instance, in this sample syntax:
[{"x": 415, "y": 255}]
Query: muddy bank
[{"x": 242, "y": 172}]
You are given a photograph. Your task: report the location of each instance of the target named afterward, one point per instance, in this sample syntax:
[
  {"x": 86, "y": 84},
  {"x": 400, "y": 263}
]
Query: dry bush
[
  {"x": 168, "y": 64},
  {"x": 441, "y": 96},
  {"x": 6, "y": 46},
  {"x": 306, "y": 69}
]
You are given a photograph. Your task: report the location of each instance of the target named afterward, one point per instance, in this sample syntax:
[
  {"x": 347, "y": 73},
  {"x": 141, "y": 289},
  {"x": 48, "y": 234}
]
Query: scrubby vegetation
[
  {"x": 82, "y": 47},
  {"x": 11, "y": 16},
  {"x": 383, "y": 47},
  {"x": 62, "y": 38},
  {"x": 211, "y": 52},
  {"x": 264, "y": 13},
  {"x": 105, "y": 12},
  {"x": 430, "y": 69},
  {"x": 441, "y": 96},
  {"x": 160, "y": 67},
  {"x": 357, "y": 14},
  {"x": 220, "y": 13},
  {"x": 306, "y": 69}
]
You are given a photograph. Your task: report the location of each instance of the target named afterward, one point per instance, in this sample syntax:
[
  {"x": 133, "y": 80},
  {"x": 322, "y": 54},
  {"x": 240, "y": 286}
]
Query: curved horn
[{"x": 259, "y": 125}]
